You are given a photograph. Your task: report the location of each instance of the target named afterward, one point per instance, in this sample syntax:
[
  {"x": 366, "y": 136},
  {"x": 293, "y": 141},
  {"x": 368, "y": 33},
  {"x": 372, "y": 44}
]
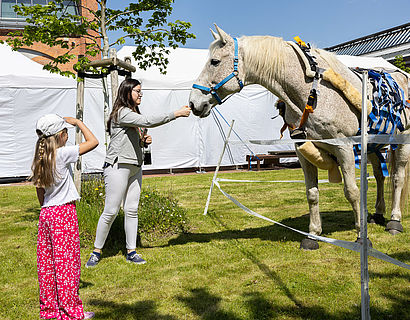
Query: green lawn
[{"x": 228, "y": 266}]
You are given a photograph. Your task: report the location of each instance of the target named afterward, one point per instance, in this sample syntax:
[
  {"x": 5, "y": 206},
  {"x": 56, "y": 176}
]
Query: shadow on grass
[
  {"x": 85, "y": 284},
  {"x": 331, "y": 221},
  {"x": 138, "y": 310},
  {"x": 30, "y": 214},
  {"x": 403, "y": 256},
  {"x": 390, "y": 275},
  {"x": 208, "y": 307}
]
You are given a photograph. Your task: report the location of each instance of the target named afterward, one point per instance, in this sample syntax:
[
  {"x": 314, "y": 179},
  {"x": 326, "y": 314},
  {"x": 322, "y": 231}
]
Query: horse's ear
[
  {"x": 223, "y": 36},
  {"x": 214, "y": 34}
]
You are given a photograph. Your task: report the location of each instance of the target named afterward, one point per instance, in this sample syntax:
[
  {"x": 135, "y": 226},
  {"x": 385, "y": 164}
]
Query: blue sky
[{"x": 320, "y": 22}]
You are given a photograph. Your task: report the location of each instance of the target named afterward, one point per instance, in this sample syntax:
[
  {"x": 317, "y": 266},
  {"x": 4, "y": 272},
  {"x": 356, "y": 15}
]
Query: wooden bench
[{"x": 271, "y": 159}]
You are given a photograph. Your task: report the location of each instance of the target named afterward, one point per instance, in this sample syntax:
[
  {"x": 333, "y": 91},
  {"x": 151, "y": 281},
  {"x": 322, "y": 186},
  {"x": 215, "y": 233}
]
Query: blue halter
[{"x": 213, "y": 90}]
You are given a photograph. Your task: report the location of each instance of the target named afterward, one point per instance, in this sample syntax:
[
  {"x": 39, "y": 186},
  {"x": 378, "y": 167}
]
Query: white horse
[{"x": 276, "y": 65}]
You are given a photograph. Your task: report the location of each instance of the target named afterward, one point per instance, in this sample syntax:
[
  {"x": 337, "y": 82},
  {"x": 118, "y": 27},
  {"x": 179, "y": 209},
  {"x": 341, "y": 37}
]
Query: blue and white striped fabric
[{"x": 388, "y": 105}]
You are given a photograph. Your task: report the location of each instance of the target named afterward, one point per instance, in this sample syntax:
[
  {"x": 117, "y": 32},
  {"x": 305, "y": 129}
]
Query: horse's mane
[{"x": 266, "y": 55}]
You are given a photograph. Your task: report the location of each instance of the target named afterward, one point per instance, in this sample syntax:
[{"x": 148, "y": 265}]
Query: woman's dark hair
[{"x": 124, "y": 99}]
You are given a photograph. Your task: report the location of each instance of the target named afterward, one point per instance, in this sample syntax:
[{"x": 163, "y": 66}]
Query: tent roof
[
  {"x": 366, "y": 62},
  {"x": 16, "y": 71},
  {"x": 183, "y": 68}
]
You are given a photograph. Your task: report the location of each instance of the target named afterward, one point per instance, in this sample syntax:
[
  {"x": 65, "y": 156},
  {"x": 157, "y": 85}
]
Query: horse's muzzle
[{"x": 194, "y": 111}]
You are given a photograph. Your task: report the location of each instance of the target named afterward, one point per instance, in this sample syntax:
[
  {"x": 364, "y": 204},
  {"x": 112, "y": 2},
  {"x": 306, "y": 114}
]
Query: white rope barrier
[
  {"x": 273, "y": 181},
  {"x": 354, "y": 246},
  {"x": 372, "y": 138}
]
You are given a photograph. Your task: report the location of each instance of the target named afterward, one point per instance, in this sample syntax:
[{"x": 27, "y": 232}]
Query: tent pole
[
  {"x": 217, "y": 167},
  {"x": 364, "y": 272}
]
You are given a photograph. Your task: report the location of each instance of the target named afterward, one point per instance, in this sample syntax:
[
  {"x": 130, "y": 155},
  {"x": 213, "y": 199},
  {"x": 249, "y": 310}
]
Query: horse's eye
[{"x": 215, "y": 62}]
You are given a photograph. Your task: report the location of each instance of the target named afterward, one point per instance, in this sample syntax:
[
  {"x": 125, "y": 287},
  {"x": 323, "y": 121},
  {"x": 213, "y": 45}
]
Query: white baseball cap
[{"x": 50, "y": 124}]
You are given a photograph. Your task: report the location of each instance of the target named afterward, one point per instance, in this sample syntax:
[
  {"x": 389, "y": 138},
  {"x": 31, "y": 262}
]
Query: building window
[{"x": 7, "y": 11}]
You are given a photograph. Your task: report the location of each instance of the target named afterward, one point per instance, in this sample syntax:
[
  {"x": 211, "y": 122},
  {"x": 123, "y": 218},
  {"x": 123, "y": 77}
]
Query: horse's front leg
[
  {"x": 400, "y": 158},
  {"x": 380, "y": 206},
  {"x": 312, "y": 194},
  {"x": 345, "y": 158}
]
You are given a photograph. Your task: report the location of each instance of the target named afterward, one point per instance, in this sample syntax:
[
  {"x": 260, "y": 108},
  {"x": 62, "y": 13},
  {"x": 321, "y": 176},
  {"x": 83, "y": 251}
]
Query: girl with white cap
[{"x": 58, "y": 242}]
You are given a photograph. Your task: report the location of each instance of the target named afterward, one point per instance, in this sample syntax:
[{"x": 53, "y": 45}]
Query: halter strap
[{"x": 213, "y": 89}]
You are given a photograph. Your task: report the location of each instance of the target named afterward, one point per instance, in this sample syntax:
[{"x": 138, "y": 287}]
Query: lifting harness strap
[{"x": 312, "y": 99}]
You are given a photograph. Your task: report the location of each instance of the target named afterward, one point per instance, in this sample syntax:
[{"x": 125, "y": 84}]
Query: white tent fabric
[
  {"x": 27, "y": 92},
  {"x": 366, "y": 62}
]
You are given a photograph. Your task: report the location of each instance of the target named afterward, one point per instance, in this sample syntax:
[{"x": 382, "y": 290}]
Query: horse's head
[{"x": 220, "y": 76}]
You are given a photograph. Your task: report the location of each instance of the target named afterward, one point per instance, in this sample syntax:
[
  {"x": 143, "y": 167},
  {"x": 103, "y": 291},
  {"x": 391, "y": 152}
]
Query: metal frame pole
[
  {"x": 364, "y": 272},
  {"x": 217, "y": 167}
]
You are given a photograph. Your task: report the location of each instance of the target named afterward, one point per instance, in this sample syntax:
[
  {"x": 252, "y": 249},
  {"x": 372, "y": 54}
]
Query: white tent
[{"x": 27, "y": 92}]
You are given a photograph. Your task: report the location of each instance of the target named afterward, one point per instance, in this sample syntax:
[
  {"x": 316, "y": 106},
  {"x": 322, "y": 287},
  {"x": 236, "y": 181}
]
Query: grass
[
  {"x": 159, "y": 215},
  {"x": 228, "y": 265}
]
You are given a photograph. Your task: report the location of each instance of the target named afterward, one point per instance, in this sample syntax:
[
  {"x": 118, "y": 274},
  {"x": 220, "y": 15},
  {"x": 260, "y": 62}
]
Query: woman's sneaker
[
  {"x": 95, "y": 257},
  {"x": 89, "y": 315},
  {"x": 134, "y": 257}
]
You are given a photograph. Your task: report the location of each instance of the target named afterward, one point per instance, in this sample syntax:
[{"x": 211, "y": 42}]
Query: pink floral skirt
[{"x": 58, "y": 263}]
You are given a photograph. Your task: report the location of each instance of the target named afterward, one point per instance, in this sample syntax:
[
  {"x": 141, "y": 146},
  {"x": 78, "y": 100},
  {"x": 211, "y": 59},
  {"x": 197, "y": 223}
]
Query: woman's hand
[
  {"x": 185, "y": 111},
  {"x": 147, "y": 139}
]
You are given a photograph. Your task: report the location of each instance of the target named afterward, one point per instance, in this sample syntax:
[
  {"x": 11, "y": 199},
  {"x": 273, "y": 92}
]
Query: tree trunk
[
  {"x": 78, "y": 134},
  {"x": 114, "y": 77},
  {"x": 104, "y": 79}
]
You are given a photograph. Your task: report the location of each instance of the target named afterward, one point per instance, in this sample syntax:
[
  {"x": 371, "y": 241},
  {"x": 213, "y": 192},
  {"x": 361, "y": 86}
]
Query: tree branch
[
  {"x": 136, "y": 34},
  {"x": 90, "y": 11},
  {"x": 120, "y": 14}
]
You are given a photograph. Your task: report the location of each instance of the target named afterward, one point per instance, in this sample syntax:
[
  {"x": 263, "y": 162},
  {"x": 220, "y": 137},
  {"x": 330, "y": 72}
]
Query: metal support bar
[
  {"x": 364, "y": 271},
  {"x": 217, "y": 167},
  {"x": 113, "y": 61}
]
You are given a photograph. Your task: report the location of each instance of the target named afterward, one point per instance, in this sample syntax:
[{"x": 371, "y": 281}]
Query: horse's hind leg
[
  {"x": 400, "y": 158},
  {"x": 312, "y": 194},
  {"x": 380, "y": 206},
  {"x": 345, "y": 157}
]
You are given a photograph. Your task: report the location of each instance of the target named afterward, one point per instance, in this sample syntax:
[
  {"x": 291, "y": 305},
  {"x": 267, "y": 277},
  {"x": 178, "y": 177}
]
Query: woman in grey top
[{"x": 122, "y": 168}]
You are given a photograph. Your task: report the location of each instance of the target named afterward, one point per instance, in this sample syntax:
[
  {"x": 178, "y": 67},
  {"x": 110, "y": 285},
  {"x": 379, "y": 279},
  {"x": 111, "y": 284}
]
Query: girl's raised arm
[{"x": 90, "y": 142}]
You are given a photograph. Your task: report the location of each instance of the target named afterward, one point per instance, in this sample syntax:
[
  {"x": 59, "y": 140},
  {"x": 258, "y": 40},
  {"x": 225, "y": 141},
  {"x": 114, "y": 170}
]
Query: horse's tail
[{"x": 405, "y": 193}]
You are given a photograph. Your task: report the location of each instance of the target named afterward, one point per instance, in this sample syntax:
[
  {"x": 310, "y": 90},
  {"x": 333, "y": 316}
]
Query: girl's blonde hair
[{"x": 44, "y": 162}]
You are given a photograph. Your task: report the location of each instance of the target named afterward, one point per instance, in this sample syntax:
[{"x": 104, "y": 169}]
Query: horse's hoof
[
  {"x": 309, "y": 244},
  {"x": 369, "y": 243},
  {"x": 394, "y": 227},
  {"x": 377, "y": 218}
]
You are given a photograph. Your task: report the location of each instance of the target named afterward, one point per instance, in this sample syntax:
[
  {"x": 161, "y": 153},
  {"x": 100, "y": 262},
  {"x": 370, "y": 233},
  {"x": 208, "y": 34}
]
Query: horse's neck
[{"x": 273, "y": 64}]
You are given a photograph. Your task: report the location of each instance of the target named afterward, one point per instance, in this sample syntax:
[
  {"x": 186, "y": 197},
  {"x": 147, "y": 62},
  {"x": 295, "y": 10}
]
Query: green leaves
[
  {"x": 399, "y": 63},
  {"x": 145, "y": 23}
]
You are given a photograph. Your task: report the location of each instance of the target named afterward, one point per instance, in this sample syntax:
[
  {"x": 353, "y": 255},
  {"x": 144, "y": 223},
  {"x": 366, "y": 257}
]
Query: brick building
[{"x": 9, "y": 21}]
